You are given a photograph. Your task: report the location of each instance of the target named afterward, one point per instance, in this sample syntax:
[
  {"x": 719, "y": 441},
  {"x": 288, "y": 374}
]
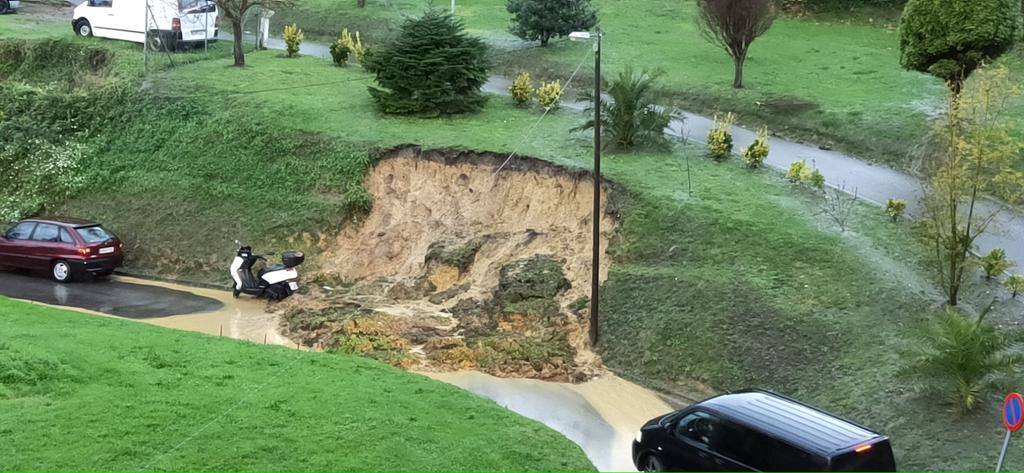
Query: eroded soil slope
[{"x": 460, "y": 265}]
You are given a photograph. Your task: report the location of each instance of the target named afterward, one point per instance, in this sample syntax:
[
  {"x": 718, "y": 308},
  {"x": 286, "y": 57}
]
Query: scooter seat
[{"x": 270, "y": 269}]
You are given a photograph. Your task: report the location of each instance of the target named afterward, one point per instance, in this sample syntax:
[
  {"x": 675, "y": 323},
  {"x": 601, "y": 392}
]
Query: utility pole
[
  {"x": 595, "y": 271},
  {"x": 453, "y": 6},
  {"x": 145, "y": 40}
]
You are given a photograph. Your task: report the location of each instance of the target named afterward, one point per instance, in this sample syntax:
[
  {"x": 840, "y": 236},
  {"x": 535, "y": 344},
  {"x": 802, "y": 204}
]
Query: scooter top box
[{"x": 292, "y": 259}]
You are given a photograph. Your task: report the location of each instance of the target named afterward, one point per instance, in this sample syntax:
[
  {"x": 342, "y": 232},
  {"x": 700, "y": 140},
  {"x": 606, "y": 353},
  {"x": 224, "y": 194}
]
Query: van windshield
[
  {"x": 200, "y": 6},
  {"x": 878, "y": 458}
]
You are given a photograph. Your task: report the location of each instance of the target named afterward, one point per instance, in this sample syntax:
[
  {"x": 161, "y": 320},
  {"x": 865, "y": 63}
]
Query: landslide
[{"x": 460, "y": 265}]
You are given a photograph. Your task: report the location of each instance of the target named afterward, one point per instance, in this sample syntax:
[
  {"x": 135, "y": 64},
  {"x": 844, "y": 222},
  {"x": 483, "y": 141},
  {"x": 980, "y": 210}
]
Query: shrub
[
  {"x": 720, "y": 137},
  {"x": 839, "y": 205},
  {"x": 756, "y": 153},
  {"x": 549, "y": 94},
  {"x": 995, "y": 263},
  {"x": 961, "y": 358},
  {"x": 36, "y": 175},
  {"x": 816, "y": 179},
  {"x": 522, "y": 89},
  {"x": 630, "y": 119},
  {"x": 1015, "y": 284},
  {"x": 293, "y": 37},
  {"x": 431, "y": 68},
  {"x": 354, "y": 45},
  {"x": 949, "y": 39},
  {"x": 894, "y": 208},
  {"x": 542, "y": 20},
  {"x": 796, "y": 171},
  {"x": 339, "y": 52}
]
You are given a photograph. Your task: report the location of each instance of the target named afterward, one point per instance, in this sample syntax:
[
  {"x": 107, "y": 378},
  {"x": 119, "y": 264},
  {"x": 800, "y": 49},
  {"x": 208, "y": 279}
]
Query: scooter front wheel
[{"x": 235, "y": 292}]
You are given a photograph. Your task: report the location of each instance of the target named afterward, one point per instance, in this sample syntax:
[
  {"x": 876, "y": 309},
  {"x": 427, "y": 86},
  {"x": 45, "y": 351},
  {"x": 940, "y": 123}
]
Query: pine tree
[
  {"x": 431, "y": 68},
  {"x": 542, "y": 20}
]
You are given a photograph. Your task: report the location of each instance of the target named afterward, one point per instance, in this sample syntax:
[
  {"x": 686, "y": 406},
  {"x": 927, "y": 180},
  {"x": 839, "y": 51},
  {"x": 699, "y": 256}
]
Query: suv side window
[
  {"x": 46, "y": 232},
  {"x": 21, "y": 231},
  {"x": 696, "y": 426}
]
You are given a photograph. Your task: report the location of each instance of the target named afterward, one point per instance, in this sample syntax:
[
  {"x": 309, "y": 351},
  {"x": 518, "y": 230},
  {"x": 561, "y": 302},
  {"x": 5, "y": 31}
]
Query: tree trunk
[
  {"x": 239, "y": 52},
  {"x": 544, "y": 37},
  {"x": 737, "y": 80},
  {"x": 360, "y": 3}
]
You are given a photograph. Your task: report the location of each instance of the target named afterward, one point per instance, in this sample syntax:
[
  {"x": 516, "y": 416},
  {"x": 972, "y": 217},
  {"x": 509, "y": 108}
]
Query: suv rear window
[{"x": 94, "y": 234}]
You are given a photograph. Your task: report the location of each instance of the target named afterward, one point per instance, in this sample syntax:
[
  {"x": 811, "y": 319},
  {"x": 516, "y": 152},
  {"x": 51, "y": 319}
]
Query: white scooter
[{"x": 274, "y": 282}]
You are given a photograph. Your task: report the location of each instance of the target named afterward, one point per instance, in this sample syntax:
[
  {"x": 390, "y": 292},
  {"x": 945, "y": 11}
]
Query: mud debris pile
[{"x": 460, "y": 267}]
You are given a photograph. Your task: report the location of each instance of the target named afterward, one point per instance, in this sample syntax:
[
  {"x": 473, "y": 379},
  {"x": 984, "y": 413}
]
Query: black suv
[{"x": 758, "y": 431}]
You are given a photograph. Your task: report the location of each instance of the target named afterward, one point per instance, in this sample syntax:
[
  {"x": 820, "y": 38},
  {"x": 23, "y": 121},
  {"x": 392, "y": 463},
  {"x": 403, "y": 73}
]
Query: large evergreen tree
[
  {"x": 431, "y": 68},
  {"x": 542, "y": 20},
  {"x": 951, "y": 38}
]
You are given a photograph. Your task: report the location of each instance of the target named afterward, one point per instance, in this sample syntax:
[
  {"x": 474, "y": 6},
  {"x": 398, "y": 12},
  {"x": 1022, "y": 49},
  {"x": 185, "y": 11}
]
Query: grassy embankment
[
  {"x": 743, "y": 283},
  {"x": 823, "y": 79},
  {"x": 80, "y": 392}
]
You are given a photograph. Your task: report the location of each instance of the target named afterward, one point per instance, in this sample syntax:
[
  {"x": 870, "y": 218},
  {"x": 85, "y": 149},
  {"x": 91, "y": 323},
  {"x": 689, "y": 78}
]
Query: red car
[{"x": 67, "y": 248}]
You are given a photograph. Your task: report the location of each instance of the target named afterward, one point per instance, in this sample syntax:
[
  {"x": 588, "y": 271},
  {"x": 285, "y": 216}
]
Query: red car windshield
[{"x": 94, "y": 234}]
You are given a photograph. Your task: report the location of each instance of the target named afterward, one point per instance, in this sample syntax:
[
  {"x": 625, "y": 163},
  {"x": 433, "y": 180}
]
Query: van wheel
[
  {"x": 5, "y": 6},
  {"x": 61, "y": 271},
  {"x": 156, "y": 41},
  {"x": 652, "y": 463},
  {"x": 83, "y": 28}
]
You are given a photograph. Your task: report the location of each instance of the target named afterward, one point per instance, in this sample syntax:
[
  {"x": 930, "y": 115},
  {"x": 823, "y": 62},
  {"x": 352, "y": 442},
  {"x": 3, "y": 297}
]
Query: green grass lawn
[
  {"x": 836, "y": 83},
  {"x": 741, "y": 284},
  {"x": 82, "y": 392}
]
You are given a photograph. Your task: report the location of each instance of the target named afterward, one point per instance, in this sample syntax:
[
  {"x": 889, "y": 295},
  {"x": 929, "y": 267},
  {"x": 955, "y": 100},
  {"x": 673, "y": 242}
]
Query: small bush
[
  {"x": 549, "y": 94},
  {"x": 796, "y": 171},
  {"x": 720, "y": 137},
  {"x": 816, "y": 179},
  {"x": 339, "y": 53},
  {"x": 1015, "y": 284},
  {"x": 293, "y": 37},
  {"x": 995, "y": 263},
  {"x": 756, "y": 153},
  {"x": 354, "y": 45},
  {"x": 521, "y": 89},
  {"x": 961, "y": 358},
  {"x": 894, "y": 208},
  {"x": 799, "y": 171}
]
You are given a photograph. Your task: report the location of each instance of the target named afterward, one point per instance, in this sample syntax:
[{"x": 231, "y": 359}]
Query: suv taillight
[{"x": 176, "y": 24}]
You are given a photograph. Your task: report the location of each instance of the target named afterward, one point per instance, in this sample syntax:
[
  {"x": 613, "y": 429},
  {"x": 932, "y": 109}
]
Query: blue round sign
[{"x": 1013, "y": 412}]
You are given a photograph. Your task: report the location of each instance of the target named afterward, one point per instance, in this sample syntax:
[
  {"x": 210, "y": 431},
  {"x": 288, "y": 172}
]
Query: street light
[{"x": 596, "y": 259}]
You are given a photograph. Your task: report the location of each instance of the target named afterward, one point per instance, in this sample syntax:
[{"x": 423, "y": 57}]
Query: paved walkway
[{"x": 872, "y": 182}]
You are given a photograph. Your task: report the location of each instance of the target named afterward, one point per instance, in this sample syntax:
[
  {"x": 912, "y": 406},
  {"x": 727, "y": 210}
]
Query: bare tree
[
  {"x": 839, "y": 205},
  {"x": 734, "y": 25},
  {"x": 235, "y": 11}
]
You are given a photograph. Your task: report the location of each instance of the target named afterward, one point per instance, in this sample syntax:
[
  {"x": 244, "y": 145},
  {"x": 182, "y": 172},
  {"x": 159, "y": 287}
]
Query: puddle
[{"x": 601, "y": 415}]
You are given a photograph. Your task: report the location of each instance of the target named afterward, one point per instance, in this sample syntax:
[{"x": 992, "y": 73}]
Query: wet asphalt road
[{"x": 135, "y": 301}]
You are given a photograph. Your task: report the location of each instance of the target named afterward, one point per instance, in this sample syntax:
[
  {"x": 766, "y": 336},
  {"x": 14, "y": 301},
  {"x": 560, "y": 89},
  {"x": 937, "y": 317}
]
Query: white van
[
  {"x": 171, "y": 23},
  {"x": 9, "y": 6}
]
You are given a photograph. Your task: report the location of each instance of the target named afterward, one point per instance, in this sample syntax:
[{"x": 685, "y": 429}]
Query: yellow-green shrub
[
  {"x": 339, "y": 52},
  {"x": 521, "y": 89},
  {"x": 354, "y": 44},
  {"x": 796, "y": 171},
  {"x": 894, "y": 208},
  {"x": 549, "y": 94},
  {"x": 720, "y": 137},
  {"x": 755, "y": 154},
  {"x": 293, "y": 37}
]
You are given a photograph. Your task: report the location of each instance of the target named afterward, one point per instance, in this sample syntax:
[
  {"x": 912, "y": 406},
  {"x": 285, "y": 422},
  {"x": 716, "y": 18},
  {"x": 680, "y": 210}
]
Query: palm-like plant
[
  {"x": 631, "y": 119},
  {"x": 961, "y": 357}
]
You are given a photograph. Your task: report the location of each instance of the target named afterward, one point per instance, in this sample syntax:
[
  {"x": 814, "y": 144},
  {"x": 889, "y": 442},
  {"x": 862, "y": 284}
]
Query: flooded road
[{"x": 601, "y": 415}]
